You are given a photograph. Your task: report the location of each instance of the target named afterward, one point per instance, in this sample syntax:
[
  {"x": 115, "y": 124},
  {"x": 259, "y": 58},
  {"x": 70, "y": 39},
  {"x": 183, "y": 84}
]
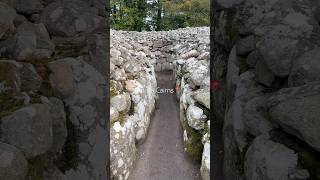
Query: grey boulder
[
  {"x": 306, "y": 68},
  {"x": 68, "y": 19},
  {"x": 13, "y": 165},
  {"x": 29, "y": 129},
  {"x": 266, "y": 159},
  {"x": 32, "y": 43},
  {"x": 297, "y": 111}
]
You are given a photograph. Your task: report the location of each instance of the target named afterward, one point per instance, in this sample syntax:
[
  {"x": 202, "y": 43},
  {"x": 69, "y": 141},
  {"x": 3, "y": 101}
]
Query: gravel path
[{"x": 161, "y": 156}]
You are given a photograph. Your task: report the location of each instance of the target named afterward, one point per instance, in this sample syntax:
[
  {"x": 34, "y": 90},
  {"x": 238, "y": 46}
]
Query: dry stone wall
[
  {"x": 53, "y": 90},
  {"x": 266, "y": 54},
  {"x": 135, "y": 57}
]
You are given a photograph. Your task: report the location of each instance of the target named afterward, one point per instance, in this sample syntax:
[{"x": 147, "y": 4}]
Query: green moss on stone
[
  {"x": 123, "y": 83},
  {"x": 194, "y": 145},
  {"x": 205, "y": 130},
  {"x": 131, "y": 77},
  {"x": 112, "y": 89},
  {"x": 121, "y": 117}
]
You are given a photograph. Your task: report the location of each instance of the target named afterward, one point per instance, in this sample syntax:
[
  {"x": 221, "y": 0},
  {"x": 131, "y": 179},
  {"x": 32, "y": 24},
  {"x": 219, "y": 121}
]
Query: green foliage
[
  {"x": 138, "y": 15},
  {"x": 192, "y": 13},
  {"x": 129, "y": 14},
  {"x": 112, "y": 89}
]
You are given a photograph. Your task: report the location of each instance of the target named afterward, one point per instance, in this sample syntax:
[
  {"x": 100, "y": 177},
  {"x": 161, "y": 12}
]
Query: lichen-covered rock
[
  {"x": 32, "y": 43},
  {"x": 59, "y": 123},
  {"x": 63, "y": 137},
  {"x": 81, "y": 19},
  {"x": 204, "y": 56},
  {"x": 198, "y": 71},
  {"x": 119, "y": 74},
  {"x": 305, "y": 69},
  {"x": 61, "y": 79},
  {"x": 297, "y": 111},
  {"x": 29, "y": 129},
  {"x": 121, "y": 102},
  {"x": 192, "y": 53},
  {"x": 195, "y": 117},
  {"x": 86, "y": 118},
  {"x": 205, "y": 162},
  {"x": 123, "y": 149},
  {"x": 13, "y": 165},
  {"x": 115, "y": 57},
  {"x": 20, "y": 76},
  {"x": 266, "y": 159},
  {"x": 276, "y": 43},
  {"x": 97, "y": 53},
  {"x": 254, "y": 115},
  {"x": 114, "y": 114},
  {"x": 203, "y": 97},
  {"x": 132, "y": 66}
]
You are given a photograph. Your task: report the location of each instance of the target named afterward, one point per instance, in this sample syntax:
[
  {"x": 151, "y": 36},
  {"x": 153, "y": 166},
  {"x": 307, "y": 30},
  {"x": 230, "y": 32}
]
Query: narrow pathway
[{"x": 161, "y": 156}]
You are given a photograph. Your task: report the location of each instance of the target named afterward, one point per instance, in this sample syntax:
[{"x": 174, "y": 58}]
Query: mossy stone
[{"x": 193, "y": 145}]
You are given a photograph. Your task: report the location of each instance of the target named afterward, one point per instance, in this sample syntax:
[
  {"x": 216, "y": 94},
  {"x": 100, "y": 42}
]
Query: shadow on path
[{"x": 161, "y": 156}]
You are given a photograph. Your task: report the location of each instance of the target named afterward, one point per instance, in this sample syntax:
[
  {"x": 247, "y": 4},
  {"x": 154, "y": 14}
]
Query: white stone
[
  {"x": 120, "y": 163},
  {"x": 117, "y": 127}
]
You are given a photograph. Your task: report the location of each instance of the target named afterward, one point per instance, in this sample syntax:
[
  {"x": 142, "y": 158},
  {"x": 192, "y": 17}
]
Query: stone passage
[
  {"x": 178, "y": 140},
  {"x": 162, "y": 155}
]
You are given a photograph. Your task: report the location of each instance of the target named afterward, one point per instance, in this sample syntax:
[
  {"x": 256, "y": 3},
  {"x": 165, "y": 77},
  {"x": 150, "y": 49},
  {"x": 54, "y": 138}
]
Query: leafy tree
[
  {"x": 159, "y": 15},
  {"x": 128, "y": 14}
]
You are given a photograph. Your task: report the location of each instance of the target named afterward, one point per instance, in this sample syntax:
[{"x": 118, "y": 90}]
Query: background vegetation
[{"x": 139, "y": 15}]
